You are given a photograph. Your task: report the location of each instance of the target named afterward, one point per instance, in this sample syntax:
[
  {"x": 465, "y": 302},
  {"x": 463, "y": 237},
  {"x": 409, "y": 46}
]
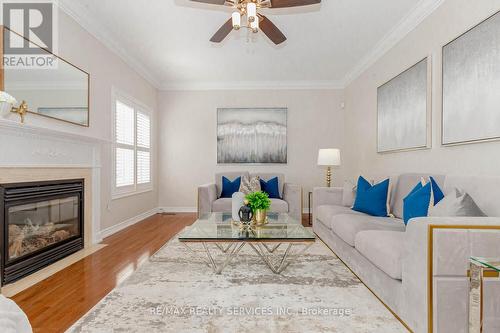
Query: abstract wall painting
[
  {"x": 471, "y": 85},
  {"x": 252, "y": 135},
  {"x": 403, "y": 107}
]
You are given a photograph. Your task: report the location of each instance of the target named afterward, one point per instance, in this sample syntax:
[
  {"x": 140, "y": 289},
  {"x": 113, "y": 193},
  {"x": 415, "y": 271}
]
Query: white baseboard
[
  {"x": 177, "y": 210},
  {"x": 127, "y": 223}
]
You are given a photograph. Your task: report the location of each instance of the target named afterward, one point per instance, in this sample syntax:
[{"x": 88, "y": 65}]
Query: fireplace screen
[
  {"x": 37, "y": 225},
  {"x": 40, "y": 223}
]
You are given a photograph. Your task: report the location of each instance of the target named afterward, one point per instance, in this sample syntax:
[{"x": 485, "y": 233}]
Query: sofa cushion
[
  {"x": 437, "y": 193},
  {"x": 229, "y": 175},
  {"x": 484, "y": 190},
  {"x": 230, "y": 187},
  {"x": 279, "y": 206},
  {"x": 268, "y": 176},
  {"x": 250, "y": 185},
  {"x": 348, "y": 193},
  {"x": 404, "y": 184},
  {"x": 325, "y": 212},
  {"x": 456, "y": 204},
  {"x": 347, "y": 226},
  {"x": 372, "y": 199},
  {"x": 271, "y": 187},
  {"x": 224, "y": 205},
  {"x": 384, "y": 249},
  {"x": 417, "y": 202}
]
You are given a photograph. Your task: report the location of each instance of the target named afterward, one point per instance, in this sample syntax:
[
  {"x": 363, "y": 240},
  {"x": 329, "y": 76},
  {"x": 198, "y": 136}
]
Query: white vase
[{"x": 238, "y": 200}]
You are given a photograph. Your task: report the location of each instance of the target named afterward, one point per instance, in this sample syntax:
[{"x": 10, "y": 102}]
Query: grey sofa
[
  {"x": 209, "y": 199},
  {"x": 400, "y": 264}
]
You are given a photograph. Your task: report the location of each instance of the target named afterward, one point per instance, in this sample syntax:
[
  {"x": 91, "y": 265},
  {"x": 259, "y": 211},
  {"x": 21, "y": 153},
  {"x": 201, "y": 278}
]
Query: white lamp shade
[{"x": 329, "y": 157}]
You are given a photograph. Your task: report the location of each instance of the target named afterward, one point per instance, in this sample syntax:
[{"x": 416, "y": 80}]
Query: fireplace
[{"x": 41, "y": 223}]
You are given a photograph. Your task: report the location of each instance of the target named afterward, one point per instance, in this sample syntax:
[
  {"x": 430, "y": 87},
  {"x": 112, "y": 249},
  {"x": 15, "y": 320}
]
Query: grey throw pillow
[
  {"x": 348, "y": 194},
  {"x": 249, "y": 185},
  {"x": 456, "y": 203}
]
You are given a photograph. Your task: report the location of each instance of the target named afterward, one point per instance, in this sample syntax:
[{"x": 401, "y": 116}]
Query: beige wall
[
  {"x": 188, "y": 140},
  {"x": 453, "y": 18},
  {"x": 106, "y": 70}
]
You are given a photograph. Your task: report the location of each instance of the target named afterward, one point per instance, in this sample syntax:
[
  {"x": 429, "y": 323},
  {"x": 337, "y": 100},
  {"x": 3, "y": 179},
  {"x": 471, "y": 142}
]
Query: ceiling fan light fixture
[
  {"x": 252, "y": 11},
  {"x": 236, "y": 20},
  {"x": 255, "y": 26}
]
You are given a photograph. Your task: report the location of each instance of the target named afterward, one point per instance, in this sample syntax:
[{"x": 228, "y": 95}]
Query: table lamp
[{"x": 329, "y": 158}]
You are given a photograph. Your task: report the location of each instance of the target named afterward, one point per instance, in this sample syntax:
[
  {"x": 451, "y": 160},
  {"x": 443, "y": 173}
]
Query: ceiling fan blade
[
  {"x": 212, "y": 2},
  {"x": 271, "y": 31},
  {"x": 292, "y": 3},
  {"x": 222, "y": 32}
]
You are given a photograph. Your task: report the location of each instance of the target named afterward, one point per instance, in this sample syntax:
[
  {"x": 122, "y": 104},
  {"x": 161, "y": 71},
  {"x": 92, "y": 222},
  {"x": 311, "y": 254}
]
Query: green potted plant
[{"x": 259, "y": 202}]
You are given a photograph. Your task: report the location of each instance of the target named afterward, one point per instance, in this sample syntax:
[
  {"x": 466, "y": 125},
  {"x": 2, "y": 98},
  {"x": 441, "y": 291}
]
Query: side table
[
  {"x": 309, "y": 207},
  {"x": 480, "y": 268}
]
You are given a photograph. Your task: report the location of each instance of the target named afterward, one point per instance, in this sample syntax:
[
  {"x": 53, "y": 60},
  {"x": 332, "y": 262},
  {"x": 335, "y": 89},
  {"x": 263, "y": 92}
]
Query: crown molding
[
  {"x": 77, "y": 11},
  {"x": 421, "y": 11},
  {"x": 254, "y": 85}
]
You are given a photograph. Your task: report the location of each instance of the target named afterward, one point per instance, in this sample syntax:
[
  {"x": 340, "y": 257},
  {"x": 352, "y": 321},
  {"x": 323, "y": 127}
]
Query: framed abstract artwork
[
  {"x": 252, "y": 135},
  {"x": 404, "y": 110},
  {"x": 471, "y": 85}
]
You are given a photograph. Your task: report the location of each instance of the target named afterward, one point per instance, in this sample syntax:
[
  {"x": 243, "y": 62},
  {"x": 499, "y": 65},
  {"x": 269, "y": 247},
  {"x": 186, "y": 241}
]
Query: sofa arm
[
  {"x": 292, "y": 194},
  {"x": 435, "y": 261},
  {"x": 207, "y": 194}
]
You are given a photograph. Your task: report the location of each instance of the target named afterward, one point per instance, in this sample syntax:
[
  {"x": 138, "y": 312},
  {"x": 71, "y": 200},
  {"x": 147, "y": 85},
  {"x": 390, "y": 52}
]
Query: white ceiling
[{"x": 167, "y": 41}]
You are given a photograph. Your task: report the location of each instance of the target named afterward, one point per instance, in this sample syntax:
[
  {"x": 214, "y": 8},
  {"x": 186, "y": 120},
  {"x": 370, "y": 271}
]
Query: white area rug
[{"x": 175, "y": 291}]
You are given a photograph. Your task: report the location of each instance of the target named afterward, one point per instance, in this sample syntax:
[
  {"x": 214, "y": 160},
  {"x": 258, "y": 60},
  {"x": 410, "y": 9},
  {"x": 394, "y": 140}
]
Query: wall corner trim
[
  {"x": 78, "y": 12},
  {"x": 420, "y": 12}
]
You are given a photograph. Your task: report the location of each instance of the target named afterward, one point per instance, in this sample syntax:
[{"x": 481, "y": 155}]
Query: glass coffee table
[
  {"x": 218, "y": 232},
  {"x": 480, "y": 268}
]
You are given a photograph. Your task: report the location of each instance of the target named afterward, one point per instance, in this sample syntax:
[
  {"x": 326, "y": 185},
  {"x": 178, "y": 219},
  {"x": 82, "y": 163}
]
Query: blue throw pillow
[
  {"x": 271, "y": 187},
  {"x": 436, "y": 191},
  {"x": 230, "y": 187},
  {"x": 417, "y": 202},
  {"x": 370, "y": 199}
]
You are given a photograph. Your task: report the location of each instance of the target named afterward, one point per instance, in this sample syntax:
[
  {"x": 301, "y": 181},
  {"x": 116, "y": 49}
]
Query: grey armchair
[{"x": 209, "y": 195}]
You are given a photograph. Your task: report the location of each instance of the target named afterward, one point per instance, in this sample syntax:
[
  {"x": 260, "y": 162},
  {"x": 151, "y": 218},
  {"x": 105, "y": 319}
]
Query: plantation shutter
[
  {"x": 143, "y": 148},
  {"x": 125, "y": 150}
]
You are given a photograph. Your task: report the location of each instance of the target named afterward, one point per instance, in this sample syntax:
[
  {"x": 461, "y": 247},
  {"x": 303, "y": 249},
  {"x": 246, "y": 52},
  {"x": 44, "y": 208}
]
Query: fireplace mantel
[{"x": 32, "y": 153}]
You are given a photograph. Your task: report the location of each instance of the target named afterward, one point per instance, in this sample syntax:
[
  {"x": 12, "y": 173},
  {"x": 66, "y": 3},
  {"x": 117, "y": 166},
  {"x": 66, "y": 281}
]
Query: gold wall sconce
[
  {"x": 21, "y": 110},
  {"x": 7, "y": 103}
]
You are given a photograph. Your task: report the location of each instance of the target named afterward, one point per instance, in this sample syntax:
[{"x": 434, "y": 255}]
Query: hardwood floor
[{"x": 55, "y": 303}]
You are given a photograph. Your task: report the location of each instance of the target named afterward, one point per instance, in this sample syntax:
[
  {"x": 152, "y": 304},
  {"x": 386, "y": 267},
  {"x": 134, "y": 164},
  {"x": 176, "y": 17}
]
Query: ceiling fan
[{"x": 255, "y": 20}]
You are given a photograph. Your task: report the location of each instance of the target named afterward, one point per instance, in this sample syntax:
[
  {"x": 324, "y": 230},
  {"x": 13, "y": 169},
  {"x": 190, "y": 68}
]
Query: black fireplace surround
[{"x": 40, "y": 223}]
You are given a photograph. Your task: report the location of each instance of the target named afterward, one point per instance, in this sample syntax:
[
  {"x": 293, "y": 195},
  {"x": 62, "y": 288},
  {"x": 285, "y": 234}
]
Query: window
[{"x": 132, "y": 147}]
